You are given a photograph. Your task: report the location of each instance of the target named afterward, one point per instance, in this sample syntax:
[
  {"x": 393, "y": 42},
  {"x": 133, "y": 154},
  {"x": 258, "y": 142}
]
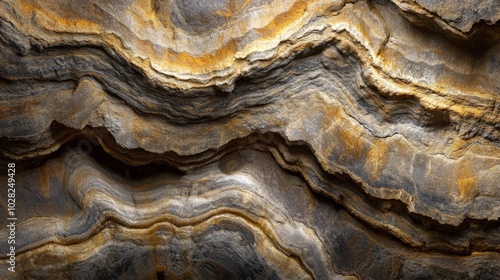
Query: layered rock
[{"x": 253, "y": 140}]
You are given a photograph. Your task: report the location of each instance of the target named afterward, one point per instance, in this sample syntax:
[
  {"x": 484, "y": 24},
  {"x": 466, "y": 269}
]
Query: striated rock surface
[{"x": 251, "y": 139}]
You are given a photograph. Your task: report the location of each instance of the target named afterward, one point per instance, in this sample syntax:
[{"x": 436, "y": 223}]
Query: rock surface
[{"x": 251, "y": 139}]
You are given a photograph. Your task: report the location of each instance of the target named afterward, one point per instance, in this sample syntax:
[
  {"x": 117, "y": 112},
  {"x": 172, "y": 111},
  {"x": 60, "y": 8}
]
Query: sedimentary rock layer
[{"x": 252, "y": 139}]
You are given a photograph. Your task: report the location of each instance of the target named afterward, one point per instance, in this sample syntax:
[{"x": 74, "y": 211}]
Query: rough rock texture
[{"x": 251, "y": 139}]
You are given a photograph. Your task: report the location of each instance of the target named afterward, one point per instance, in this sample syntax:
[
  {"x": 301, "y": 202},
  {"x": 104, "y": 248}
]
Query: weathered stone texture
[{"x": 251, "y": 139}]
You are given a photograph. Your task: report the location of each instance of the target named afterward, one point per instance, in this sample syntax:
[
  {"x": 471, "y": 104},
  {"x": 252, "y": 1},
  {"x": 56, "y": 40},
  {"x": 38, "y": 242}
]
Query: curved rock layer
[{"x": 252, "y": 139}]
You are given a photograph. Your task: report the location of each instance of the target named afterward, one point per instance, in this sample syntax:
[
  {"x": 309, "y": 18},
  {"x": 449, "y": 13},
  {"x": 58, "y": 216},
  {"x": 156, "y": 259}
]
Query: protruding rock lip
[
  {"x": 356, "y": 196},
  {"x": 233, "y": 56},
  {"x": 456, "y": 19}
]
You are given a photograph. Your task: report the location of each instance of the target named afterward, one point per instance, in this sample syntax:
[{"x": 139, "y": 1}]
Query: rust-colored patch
[
  {"x": 29, "y": 105},
  {"x": 283, "y": 20},
  {"x": 376, "y": 159},
  {"x": 467, "y": 181},
  {"x": 347, "y": 137},
  {"x": 44, "y": 175},
  {"x": 350, "y": 138},
  {"x": 222, "y": 57},
  {"x": 70, "y": 21}
]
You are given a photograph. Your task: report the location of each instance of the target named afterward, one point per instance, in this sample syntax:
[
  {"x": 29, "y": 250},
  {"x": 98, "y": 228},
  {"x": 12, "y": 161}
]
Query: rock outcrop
[{"x": 251, "y": 139}]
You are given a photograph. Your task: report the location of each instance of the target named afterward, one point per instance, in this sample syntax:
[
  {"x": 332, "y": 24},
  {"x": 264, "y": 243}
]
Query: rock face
[{"x": 251, "y": 139}]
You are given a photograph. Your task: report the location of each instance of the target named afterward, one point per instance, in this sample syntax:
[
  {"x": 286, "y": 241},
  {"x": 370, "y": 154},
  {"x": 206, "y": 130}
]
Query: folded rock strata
[{"x": 252, "y": 139}]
